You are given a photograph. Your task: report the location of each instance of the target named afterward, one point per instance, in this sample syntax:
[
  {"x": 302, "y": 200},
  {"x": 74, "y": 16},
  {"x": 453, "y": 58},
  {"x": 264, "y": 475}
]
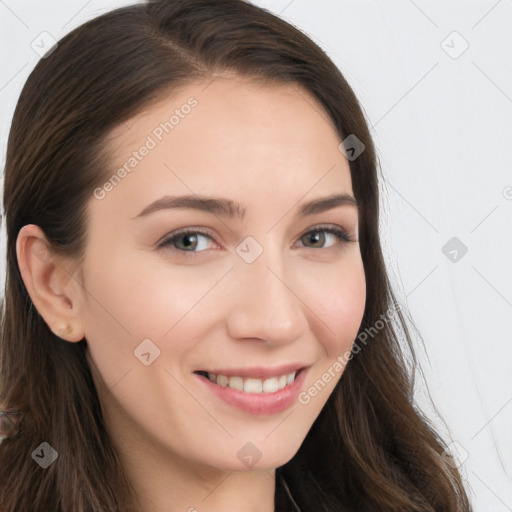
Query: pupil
[
  {"x": 188, "y": 237},
  {"x": 318, "y": 236}
]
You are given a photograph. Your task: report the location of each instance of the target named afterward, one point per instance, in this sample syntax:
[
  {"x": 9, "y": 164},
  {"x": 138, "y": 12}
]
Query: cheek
[
  {"x": 341, "y": 308},
  {"x": 129, "y": 301},
  {"x": 340, "y": 304},
  {"x": 140, "y": 295}
]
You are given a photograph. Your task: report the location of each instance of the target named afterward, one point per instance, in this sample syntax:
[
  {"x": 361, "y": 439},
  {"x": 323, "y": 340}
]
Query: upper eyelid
[
  {"x": 207, "y": 232},
  {"x": 184, "y": 231}
]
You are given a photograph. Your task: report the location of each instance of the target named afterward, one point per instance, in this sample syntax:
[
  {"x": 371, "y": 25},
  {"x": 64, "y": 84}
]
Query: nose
[{"x": 265, "y": 304}]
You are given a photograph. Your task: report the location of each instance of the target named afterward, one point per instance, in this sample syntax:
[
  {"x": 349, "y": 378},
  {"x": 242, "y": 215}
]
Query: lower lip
[{"x": 259, "y": 403}]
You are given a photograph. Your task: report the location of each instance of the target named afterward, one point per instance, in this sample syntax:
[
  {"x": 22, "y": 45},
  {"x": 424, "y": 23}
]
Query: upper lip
[{"x": 258, "y": 371}]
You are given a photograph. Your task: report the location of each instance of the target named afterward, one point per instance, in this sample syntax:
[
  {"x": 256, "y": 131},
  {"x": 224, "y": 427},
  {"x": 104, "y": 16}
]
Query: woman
[{"x": 238, "y": 375}]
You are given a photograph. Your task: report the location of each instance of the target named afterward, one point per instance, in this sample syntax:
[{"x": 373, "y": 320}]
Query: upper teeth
[{"x": 250, "y": 385}]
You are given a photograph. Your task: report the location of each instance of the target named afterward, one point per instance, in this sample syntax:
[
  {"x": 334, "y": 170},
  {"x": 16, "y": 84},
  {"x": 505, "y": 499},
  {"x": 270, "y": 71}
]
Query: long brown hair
[{"x": 371, "y": 448}]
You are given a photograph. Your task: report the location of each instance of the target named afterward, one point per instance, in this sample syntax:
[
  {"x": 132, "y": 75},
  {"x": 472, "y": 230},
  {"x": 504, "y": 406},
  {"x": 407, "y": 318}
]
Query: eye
[
  {"x": 190, "y": 237},
  {"x": 317, "y": 235},
  {"x": 189, "y": 240}
]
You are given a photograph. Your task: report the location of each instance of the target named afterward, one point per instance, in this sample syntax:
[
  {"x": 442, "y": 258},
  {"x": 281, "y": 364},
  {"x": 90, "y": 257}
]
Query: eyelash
[{"x": 343, "y": 236}]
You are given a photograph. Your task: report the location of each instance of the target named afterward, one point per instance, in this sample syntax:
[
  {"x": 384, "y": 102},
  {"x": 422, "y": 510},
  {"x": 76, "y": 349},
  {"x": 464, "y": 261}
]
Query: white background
[{"x": 441, "y": 118}]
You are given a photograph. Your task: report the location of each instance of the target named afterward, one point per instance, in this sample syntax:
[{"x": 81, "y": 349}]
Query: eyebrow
[{"x": 228, "y": 208}]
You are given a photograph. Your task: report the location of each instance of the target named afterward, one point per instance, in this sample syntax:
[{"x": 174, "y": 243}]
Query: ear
[{"x": 53, "y": 288}]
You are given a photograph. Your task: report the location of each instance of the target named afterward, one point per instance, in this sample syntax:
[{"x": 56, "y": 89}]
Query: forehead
[
  {"x": 230, "y": 135},
  {"x": 228, "y": 109}
]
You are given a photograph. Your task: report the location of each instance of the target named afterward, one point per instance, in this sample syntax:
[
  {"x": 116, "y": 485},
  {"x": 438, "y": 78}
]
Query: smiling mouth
[{"x": 252, "y": 385}]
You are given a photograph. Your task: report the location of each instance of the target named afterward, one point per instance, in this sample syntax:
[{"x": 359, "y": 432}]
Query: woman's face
[{"x": 246, "y": 293}]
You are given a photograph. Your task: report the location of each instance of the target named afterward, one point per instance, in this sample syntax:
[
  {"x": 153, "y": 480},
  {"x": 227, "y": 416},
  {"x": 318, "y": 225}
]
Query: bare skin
[{"x": 272, "y": 149}]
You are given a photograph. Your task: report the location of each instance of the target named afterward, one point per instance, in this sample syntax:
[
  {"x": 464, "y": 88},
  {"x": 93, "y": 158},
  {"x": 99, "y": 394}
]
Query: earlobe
[{"x": 49, "y": 283}]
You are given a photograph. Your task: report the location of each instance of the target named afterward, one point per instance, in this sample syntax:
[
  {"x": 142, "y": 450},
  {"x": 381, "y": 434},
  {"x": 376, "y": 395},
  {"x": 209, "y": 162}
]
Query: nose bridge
[{"x": 264, "y": 304}]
